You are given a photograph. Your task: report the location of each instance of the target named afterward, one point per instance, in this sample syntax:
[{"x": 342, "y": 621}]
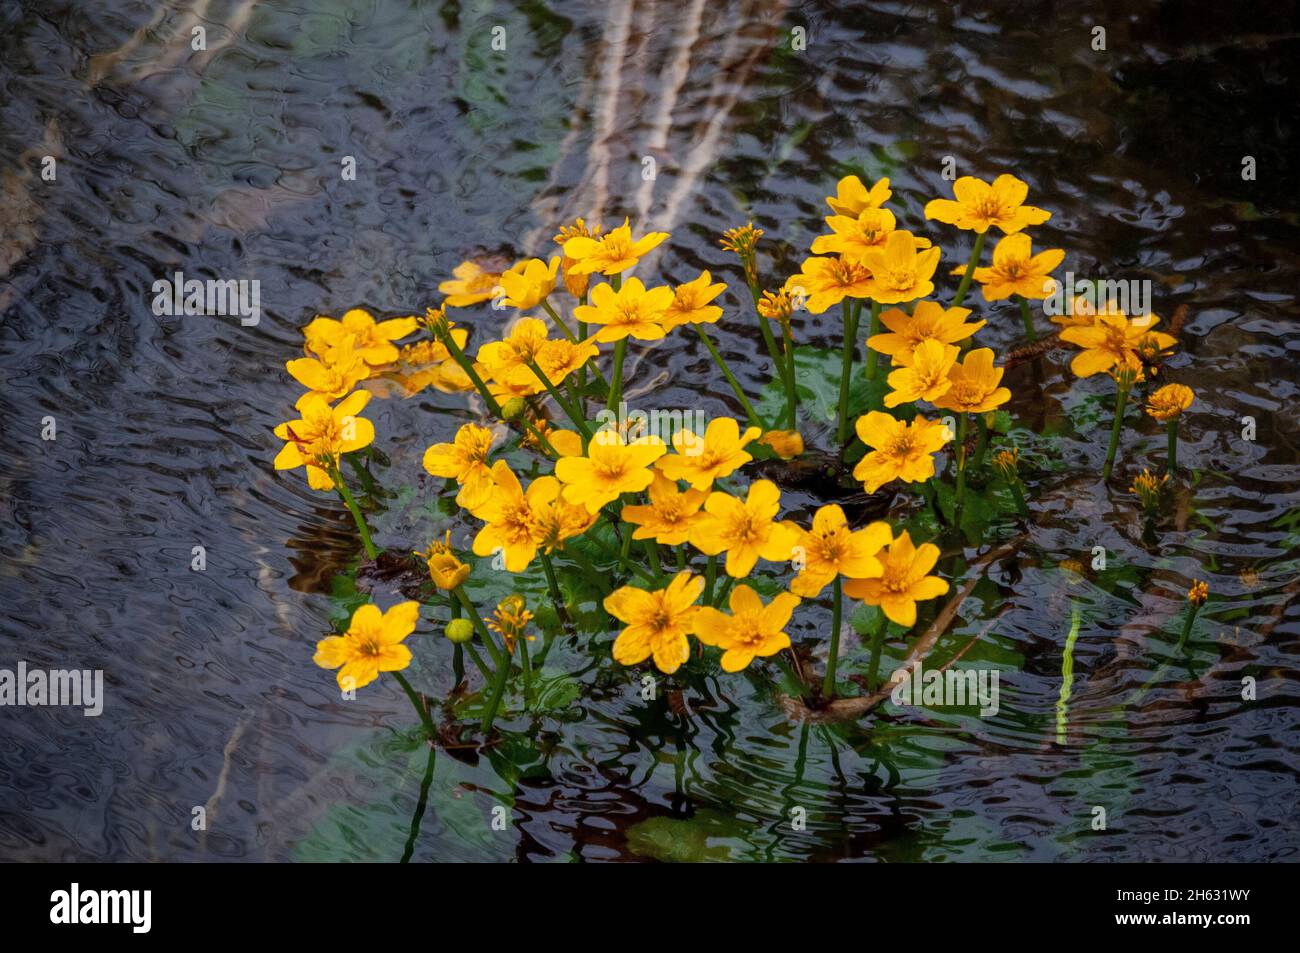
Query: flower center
[
  {"x": 897, "y": 279},
  {"x": 894, "y": 580},
  {"x": 900, "y": 446}
]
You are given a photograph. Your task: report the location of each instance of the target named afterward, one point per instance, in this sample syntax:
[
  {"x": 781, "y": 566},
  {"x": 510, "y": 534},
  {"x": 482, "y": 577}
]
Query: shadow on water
[{"x": 225, "y": 163}]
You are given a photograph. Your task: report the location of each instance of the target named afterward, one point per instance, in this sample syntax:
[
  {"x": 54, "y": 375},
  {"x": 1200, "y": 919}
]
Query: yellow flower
[
  {"x": 929, "y": 321},
  {"x": 1169, "y": 401},
  {"x": 426, "y": 363},
  {"x": 787, "y": 444},
  {"x": 331, "y": 379},
  {"x": 980, "y": 205},
  {"x": 1151, "y": 349},
  {"x": 751, "y": 630},
  {"x": 611, "y": 467},
  {"x": 746, "y": 530},
  {"x": 657, "y": 622},
  {"x": 854, "y": 237},
  {"x": 898, "y": 271},
  {"x": 1007, "y": 463},
  {"x": 1198, "y": 593},
  {"x": 975, "y": 383},
  {"x": 445, "y": 568},
  {"x": 1114, "y": 339},
  {"x": 567, "y": 443},
  {"x": 904, "y": 582},
  {"x": 322, "y": 435},
  {"x": 574, "y": 283},
  {"x": 472, "y": 283},
  {"x": 559, "y": 359},
  {"x": 741, "y": 240},
  {"x": 926, "y": 377},
  {"x": 560, "y": 520},
  {"x": 701, "y": 460},
  {"x": 513, "y": 517},
  {"x": 1082, "y": 313},
  {"x": 824, "y": 282},
  {"x": 510, "y": 620},
  {"x": 831, "y": 549},
  {"x": 670, "y": 515},
  {"x": 690, "y": 304},
  {"x": 531, "y": 283},
  {"x": 372, "y": 341},
  {"x": 372, "y": 644},
  {"x": 464, "y": 460},
  {"x": 852, "y": 197},
  {"x": 1016, "y": 271},
  {"x": 611, "y": 254},
  {"x": 630, "y": 311},
  {"x": 1149, "y": 489},
  {"x": 506, "y": 361},
  {"x": 776, "y": 306},
  {"x": 900, "y": 450}
]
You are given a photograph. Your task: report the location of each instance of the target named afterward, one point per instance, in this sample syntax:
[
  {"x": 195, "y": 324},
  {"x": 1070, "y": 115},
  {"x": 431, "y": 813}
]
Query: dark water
[{"x": 226, "y": 164}]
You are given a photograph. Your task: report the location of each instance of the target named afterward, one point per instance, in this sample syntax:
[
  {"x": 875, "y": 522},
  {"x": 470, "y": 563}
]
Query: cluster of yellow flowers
[{"x": 670, "y": 492}]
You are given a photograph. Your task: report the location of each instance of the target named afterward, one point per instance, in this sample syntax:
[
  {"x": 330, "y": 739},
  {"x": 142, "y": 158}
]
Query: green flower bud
[
  {"x": 460, "y": 630},
  {"x": 513, "y": 408}
]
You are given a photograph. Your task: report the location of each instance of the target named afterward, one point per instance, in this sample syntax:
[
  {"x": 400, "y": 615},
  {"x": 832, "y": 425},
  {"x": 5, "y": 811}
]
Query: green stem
[
  {"x": 846, "y": 372},
  {"x": 539, "y": 437},
  {"x": 772, "y": 350},
  {"x": 479, "y": 626},
  {"x": 833, "y": 657},
  {"x": 724, "y": 590},
  {"x": 970, "y": 270},
  {"x": 553, "y": 584},
  {"x": 791, "y": 395},
  {"x": 478, "y": 661},
  {"x": 498, "y": 690},
  {"x": 739, "y": 391},
  {"x": 981, "y": 444},
  {"x": 528, "y": 670},
  {"x": 467, "y": 366},
  {"x": 873, "y": 356},
  {"x": 1019, "y": 496},
  {"x": 569, "y": 411},
  {"x": 1192, "y": 609},
  {"x": 652, "y": 554},
  {"x": 616, "y": 385},
  {"x": 559, "y": 323},
  {"x": 1121, "y": 397},
  {"x": 1028, "y": 319},
  {"x": 351, "y": 504},
  {"x": 420, "y": 708},
  {"x": 1173, "y": 444},
  {"x": 710, "y": 577}
]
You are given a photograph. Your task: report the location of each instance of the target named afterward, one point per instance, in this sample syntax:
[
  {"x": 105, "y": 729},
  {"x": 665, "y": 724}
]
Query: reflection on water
[{"x": 225, "y": 163}]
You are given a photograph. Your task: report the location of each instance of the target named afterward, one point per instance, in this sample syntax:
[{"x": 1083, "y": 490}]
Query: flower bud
[
  {"x": 460, "y": 631},
  {"x": 513, "y": 408}
]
